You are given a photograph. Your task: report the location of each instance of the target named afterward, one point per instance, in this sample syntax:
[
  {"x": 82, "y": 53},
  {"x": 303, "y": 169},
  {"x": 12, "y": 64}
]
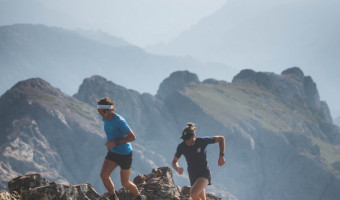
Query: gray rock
[
  {"x": 294, "y": 72},
  {"x": 4, "y": 195},
  {"x": 62, "y": 192},
  {"x": 24, "y": 183},
  {"x": 291, "y": 87},
  {"x": 176, "y": 81},
  {"x": 158, "y": 185}
]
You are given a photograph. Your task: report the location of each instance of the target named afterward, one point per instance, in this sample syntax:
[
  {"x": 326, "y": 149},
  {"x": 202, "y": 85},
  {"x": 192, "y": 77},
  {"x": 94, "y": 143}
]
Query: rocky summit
[
  {"x": 291, "y": 85},
  {"x": 158, "y": 185}
]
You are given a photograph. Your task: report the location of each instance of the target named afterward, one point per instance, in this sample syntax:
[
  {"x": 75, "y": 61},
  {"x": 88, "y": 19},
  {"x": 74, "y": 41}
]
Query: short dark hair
[{"x": 105, "y": 101}]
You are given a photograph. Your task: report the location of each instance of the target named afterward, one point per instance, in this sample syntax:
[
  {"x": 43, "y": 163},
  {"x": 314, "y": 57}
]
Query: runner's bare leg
[
  {"x": 126, "y": 183},
  {"x": 198, "y": 188},
  {"x": 107, "y": 168}
]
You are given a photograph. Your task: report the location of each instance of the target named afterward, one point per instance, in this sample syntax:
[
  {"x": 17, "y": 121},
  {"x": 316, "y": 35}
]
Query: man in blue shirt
[
  {"x": 119, "y": 135},
  {"x": 194, "y": 151}
]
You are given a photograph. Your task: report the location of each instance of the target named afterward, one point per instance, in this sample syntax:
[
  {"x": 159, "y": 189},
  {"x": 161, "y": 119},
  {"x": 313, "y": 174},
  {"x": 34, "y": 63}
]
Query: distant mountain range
[
  {"x": 264, "y": 33},
  {"x": 281, "y": 142},
  {"x": 66, "y": 57},
  {"x": 269, "y": 36}
]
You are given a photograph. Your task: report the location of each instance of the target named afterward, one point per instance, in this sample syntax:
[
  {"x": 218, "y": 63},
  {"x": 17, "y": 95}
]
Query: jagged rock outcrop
[
  {"x": 33, "y": 186},
  {"x": 295, "y": 73},
  {"x": 47, "y": 131},
  {"x": 175, "y": 82},
  {"x": 296, "y": 91},
  {"x": 158, "y": 185},
  {"x": 40, "y": 126},
  {"x": 291, "y": 85}
]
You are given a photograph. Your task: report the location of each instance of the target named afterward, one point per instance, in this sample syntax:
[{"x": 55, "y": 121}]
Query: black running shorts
[
  {"x": 124, "y": 161},
  {"x": 194, "y": 175}
]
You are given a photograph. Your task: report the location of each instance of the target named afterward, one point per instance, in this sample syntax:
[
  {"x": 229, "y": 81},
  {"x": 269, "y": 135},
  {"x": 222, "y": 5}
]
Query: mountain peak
[
  {"x": 25, "y": 91},
  {"x": 36, "y": 83},
  {"x": 294, "y": 72},
  {"x": 176, "y": 81},
  {"x": 250, "y": 76},
  {"x": 107, "y": 89},
  {"x": 291, "y": 84}
]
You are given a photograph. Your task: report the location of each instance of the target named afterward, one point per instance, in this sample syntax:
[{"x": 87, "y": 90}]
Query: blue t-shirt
[
  {"x": 117, "y": 128},
  {"x": 196, "y": 155}
]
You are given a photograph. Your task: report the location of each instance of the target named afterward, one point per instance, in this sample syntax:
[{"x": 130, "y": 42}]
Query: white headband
[{"x": 104, "y": 106}]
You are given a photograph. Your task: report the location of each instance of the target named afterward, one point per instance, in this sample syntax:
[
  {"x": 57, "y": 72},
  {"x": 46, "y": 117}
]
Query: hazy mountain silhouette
[
  {"x": 248, "y": 33},
  {"x": 269, "y": 36},
  {"x": 64, "y": 58},
  {"x": 104, "y": 38},
  {"x": 34, "y": 11}
]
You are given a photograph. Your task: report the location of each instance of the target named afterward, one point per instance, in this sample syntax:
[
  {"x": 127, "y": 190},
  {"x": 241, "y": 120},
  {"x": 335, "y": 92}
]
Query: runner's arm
[
  {"x": 130, "y": 137},
  {"x": 221, "y": 142},
  {"x": 176, "y": 166}
]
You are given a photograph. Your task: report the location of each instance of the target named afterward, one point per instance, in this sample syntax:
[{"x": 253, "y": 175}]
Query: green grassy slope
[{"x": 235, "y": 103}]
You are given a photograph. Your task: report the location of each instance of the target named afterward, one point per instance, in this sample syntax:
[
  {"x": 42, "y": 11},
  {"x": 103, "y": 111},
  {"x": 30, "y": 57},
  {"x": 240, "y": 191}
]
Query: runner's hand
[
  {"x": 221, "y": 161},
  {"x": 180, "y": 171},
  {"x": 110, "y": 144}
]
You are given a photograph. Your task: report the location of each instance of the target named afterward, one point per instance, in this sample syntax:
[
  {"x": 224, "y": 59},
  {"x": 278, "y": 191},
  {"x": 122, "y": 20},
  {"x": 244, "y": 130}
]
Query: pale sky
[{"x": 140, "y": 22}]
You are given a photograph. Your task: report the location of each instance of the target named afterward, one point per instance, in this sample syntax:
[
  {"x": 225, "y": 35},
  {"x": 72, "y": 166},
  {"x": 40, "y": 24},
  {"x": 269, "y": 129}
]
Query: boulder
[
  {"x": 160, "y": 185},
  {"x": 33, "y": 186},
  {"x": 63, "y": 192},
  {"x": 24, "y": 183}
]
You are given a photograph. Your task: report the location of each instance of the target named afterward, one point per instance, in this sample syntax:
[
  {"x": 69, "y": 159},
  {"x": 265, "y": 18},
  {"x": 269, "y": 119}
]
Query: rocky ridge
[
  {"x": 299, "y": 93},
  {"x": 275, "y": 143},
  {"x": 158, "y": 185},
  {"x": 291, "y": 84}
]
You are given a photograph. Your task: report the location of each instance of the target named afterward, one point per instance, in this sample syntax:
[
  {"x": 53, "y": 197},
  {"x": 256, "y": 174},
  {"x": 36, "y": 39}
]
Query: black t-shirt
[{"x": 196, "y": 155}]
